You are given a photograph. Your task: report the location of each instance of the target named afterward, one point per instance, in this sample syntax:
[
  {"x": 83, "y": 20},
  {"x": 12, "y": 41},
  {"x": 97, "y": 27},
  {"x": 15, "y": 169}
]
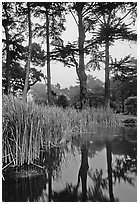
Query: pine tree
[{"x": 111, "y": 26}]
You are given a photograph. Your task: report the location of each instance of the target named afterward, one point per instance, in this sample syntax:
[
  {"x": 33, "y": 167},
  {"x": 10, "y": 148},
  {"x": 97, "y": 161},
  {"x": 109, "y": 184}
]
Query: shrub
[
  {"x": 131, "y": 105},
  {"x": 62, "y": 101}
]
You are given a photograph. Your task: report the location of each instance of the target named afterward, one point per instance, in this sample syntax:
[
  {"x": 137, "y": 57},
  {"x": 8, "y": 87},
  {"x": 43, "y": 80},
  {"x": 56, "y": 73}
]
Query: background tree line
[{"x": 28, "y": 25}]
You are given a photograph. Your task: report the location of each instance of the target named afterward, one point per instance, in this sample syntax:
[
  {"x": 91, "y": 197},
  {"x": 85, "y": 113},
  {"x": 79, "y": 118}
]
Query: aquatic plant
[{"x": 29, "y": 129}]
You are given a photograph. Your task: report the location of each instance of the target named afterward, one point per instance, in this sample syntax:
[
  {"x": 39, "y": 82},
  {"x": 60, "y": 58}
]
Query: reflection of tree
[
  {"x": 109, "y": 166},
  {"x": 122, "y": 168},
  {"x": 122, "y": 146},
  {"x": 51, "y": 160},
  {"x": 100, "y": 184},
  {"x": 102, "y": 191},
  {"x": 69, "y": 193},
  {"x": 94, "y": 194},
  {"x": 82, "y": 175}
]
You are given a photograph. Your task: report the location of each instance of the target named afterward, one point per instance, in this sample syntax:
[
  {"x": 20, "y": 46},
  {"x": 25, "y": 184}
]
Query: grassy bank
[{"x": 28, "y": 128}]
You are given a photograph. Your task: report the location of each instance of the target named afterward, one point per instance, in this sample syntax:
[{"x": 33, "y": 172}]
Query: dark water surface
[{"x": 99, "y": 167}]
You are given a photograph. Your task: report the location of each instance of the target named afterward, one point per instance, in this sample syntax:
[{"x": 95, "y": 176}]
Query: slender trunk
[
  {"x": 107, "y": 80},
  {"x": 7, "y": 72},
  {"x": 29, "y": 57},
  {"x": 109, "y": 165},
  {"x": 48, "y": 60},
  {"x": 81, "y": 72}
]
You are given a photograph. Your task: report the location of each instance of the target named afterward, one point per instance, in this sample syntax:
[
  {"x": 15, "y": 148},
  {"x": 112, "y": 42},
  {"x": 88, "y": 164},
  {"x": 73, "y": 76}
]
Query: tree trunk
[
  {"x": 81, "y": 72},
  {"x": 7, "y": 72},
  {"x": 107, "y": 80},
  {"x": 29, "y": 57},
  {"x": 48, "y": 60}
]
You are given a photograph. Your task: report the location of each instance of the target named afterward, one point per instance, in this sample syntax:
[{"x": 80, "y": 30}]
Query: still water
[{"x": 99, "y": 167}]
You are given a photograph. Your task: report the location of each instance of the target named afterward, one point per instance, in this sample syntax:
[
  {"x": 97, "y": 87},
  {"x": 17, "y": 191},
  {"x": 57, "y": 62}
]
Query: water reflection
[
  {"x": 96, "y": 193},
  {"x": 82, "y": 175},
  {"x": 109, "y": 168},
  {"x": 31, "y": 188},
  {"x": 22, "y": 190},
  {"x": 70, "y": 193},
  {"x": 94, "y": 183},
  {"x": 102, "y": 189}
]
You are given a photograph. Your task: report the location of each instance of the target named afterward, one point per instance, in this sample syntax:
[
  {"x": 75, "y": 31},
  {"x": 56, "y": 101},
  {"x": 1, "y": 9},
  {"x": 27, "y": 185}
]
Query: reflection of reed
[
  {"x": 30, "y": 188},
  {"x": 23, "y": 190}
]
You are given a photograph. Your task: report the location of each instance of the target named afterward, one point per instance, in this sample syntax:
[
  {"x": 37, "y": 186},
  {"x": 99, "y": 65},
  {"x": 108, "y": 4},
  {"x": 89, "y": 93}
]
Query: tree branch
[
  {"x": 86, "y": 11},
  {"x": 90, "y": 44},
  {"x": 31, "y": 84},
  {"x": 74, "y": 17},
  {"x": 74, "y": 61},
  {"x": 98, "y": 18},
  {"x": 126, "y": 14}
]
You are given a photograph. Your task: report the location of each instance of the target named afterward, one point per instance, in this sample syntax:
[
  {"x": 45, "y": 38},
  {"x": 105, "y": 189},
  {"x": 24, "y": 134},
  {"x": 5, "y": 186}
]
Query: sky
[{"x": 67, "y": 77}]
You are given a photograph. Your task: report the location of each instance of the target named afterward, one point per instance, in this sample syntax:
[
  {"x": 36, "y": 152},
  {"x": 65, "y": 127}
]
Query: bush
[
  {"x": 62, "y": 101},
  {"x": 131, "y": 105}
]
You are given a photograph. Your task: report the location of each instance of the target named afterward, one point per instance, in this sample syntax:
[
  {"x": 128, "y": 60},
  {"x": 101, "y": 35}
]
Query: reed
[
  {"x": 21, "y": 123},
  {"x": 28, "y": 128}
]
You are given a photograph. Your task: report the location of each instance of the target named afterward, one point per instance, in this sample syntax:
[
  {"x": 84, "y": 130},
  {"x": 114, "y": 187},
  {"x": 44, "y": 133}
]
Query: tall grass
[{"x": 28, "y": 128}]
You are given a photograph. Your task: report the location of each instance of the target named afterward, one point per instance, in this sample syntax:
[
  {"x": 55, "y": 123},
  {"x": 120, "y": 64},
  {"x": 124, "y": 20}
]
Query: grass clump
[
  {"x": 29, "y": 129},
  {"x": 21, "y": 126}
]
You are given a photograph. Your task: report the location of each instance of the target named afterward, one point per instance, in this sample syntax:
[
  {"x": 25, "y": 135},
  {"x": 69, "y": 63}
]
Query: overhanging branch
[{"x": 74, "y": 17}]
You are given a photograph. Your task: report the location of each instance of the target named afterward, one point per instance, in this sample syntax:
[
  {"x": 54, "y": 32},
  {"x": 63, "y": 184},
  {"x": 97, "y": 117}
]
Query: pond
[{"x": 100, "y": 167}]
